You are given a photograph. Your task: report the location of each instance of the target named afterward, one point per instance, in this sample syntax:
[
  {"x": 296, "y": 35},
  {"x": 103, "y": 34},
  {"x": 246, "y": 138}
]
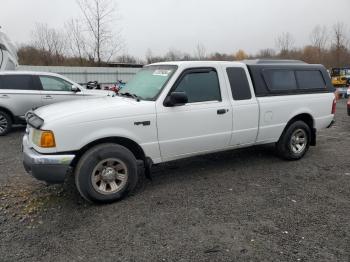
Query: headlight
[
  {"x": 33, "y": 120},
  {"x": 43, "y": 138}
]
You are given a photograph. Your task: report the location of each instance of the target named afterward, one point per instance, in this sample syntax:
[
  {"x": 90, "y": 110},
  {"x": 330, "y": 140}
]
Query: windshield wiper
[{"x": 127, "y": 94}]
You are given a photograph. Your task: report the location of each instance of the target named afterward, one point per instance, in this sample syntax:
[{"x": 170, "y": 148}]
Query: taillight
[{"x": 334, "y": 106}]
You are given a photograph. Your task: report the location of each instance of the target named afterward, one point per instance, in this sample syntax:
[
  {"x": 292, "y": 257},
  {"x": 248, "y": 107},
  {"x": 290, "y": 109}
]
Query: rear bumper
[{"x": 49, "y": 168}]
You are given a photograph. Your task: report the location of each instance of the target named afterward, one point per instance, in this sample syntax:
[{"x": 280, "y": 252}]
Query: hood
[{"x": 94, "y": 109}]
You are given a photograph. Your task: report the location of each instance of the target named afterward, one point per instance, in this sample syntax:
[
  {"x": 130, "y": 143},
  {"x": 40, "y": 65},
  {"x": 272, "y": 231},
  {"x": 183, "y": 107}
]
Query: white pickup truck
[{"x": 176, "y": 110}]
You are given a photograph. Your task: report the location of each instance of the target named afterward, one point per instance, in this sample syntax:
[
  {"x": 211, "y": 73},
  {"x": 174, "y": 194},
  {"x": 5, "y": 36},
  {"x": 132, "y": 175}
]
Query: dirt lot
[{"x": 242, "y": 205}]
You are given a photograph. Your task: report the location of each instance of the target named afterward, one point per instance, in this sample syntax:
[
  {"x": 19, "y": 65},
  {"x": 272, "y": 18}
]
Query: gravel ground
[{"x": 241, "y": 205}]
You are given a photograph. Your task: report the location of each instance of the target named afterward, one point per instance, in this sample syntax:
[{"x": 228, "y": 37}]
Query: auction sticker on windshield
[{"x": 161, "y": 72}]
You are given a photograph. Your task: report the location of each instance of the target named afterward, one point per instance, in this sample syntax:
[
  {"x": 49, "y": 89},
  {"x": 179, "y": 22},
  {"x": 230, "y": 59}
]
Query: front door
[
  {"x": 57, "y": 90},
  {"x": 203, "y": 124}
]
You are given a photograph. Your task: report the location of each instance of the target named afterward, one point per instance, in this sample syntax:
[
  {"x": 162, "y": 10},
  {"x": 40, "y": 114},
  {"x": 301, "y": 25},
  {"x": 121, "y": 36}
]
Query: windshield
[
  {"x": 148, "y": 83},
  {"x": 341, "y": 72}
]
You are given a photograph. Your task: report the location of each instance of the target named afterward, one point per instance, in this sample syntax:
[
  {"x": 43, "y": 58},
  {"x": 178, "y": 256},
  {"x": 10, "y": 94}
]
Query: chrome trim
[{"x": 37, "y": 158}]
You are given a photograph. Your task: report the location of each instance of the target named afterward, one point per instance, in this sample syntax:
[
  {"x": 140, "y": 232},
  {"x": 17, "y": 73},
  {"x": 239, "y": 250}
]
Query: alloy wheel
[{"x": 109, "y": 176}]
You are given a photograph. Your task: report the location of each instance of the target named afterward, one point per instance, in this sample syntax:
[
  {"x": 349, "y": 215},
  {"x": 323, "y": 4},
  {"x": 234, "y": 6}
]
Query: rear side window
[
  {"x": 17, "y": 82},
  {"x": 200, "y": 86},
  {"x": 280, "y": 80},
  {"x": 311, "y": 79},
  {"x": 239, "y": 83}
]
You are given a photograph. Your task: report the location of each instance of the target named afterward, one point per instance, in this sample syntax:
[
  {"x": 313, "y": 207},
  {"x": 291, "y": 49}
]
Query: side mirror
[
  {"x": 75, "y": 89},
  {"x": 176, "y": 99}
]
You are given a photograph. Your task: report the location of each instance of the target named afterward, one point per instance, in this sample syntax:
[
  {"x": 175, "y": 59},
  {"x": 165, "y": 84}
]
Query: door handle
[
  {"x": 48, "y": 97},
  {"x": 4, "y": 96},
  {"x": 222, "y": 111}
]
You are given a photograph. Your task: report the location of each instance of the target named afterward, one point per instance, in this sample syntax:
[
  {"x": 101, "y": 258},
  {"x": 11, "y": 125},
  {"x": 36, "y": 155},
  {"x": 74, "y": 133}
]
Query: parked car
[
  {"x": 175, "y": 110},
  {"x": 23, "y": 91}
]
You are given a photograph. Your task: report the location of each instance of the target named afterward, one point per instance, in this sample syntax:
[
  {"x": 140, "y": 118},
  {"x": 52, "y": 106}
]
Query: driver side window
[
  {"x": 200, "y": 85},
  {"x": 50, "y": 83}
]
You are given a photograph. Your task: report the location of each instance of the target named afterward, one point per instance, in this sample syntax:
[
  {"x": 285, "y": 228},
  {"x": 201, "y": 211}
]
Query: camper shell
[{"x": 298, "y": 76}]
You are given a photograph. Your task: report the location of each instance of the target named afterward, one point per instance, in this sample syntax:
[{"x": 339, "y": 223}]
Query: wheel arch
[
  {"x": 134, "y": 147},
  {"x": 4, "y": 109},
  {"x": 309, "y": 120}
]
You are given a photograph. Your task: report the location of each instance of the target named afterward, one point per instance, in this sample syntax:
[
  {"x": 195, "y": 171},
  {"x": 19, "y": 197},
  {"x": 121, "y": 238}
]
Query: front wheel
[
  {"x": 295, "y": 141},
  {"x": 106, "y": 173}
]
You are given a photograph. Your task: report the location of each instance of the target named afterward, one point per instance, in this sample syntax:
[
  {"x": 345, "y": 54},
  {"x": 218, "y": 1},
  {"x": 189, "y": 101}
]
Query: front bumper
[{"x": 49, "y": 168}]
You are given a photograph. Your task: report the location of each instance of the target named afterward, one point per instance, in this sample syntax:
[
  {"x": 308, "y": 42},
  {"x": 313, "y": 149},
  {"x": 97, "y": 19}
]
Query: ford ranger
[{"x": 176, "y": 110}]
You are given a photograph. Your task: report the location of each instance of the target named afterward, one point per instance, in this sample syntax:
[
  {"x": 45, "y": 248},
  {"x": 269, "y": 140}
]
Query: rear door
[
  {"x": 244, "y": 106},
  {"x": 56, "y": 90},
  {"x": 19, "y": 94}
]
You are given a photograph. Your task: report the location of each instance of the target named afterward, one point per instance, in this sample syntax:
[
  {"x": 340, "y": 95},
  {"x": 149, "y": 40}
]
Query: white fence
[{"x": 82, "y": 75}]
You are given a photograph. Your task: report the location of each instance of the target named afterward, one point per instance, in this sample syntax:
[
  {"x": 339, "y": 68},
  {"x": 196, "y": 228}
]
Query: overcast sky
[{"x": 220, "y": 25}]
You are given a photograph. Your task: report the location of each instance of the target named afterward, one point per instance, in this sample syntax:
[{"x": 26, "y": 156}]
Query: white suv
[{"x": 24, "y": 91}]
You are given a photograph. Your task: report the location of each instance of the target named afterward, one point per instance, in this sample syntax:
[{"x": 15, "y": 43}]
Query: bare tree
[
  {"x": 150, "y": 58},
  {"x": 339, "y": 42},
  {"x": 99, "y": 15},
  {"x": 319, "y": 37},
  {"x": 285, "y": 42},
  {"x": 49, "y": 40},
  {"x": 76, "y": 40},
  {"x": 339, "y": 35},
  {"x": 128, "y": 59},
  {"x": 173, "y": 55},
  {"x": 200, "y": 52},
  {"x": 266, "y": 53}
]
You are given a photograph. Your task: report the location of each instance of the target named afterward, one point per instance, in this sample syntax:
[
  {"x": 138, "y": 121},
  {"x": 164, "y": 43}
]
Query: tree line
[{"x": 92, "y": 40}]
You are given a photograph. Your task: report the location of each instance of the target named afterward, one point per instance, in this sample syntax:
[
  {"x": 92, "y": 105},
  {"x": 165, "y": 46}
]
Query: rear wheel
[
  {"x": 5, "y": 123},
  {"x": 106, "y": 173},
  {"x": 295, "y": 141}
]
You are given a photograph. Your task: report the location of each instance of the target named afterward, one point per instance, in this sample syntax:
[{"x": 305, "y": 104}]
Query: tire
[
  {"x": 291, "y": 146},
  {"x": 5, "y": 123},
  {"x": 106, "y": 173}
]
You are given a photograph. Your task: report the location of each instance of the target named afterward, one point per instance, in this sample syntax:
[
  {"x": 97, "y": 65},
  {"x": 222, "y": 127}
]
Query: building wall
[{"x": 82, "y": 75}]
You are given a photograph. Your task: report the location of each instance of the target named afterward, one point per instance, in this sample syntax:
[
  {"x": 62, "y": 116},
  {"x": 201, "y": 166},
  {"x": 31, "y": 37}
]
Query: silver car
[{"x": 24, "y": 91}]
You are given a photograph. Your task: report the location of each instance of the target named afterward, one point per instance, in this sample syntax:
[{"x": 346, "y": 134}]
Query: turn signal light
[
  {"x": 47, "y": 139},
  {"x": 43, "y": 138}
]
